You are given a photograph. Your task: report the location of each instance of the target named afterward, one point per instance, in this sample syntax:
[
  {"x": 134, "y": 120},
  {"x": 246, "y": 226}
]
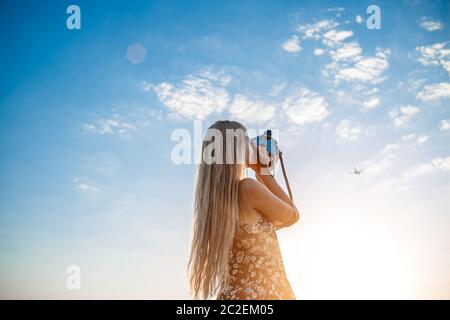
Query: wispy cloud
[
  {"x": 416, "y": 84},
  {"x": 403, "y": 115},
  {"x": 355, "y": 67},
  {"x": 316, "y": 30},
  {"x": 422, "y": 139},
  {"x": 101, "y": 164},
  {"x": 444, "y": 125},
  {"x": 431, "y": 25},
  {"x": 389, "y": 149},
  {"x": 304, "y": 106},
  {"x": 292, "y": 45},
  {"x": 114, "y": 124},
  {"x": 348, "y": 66},
  {"x": 408, "y": 137},
  {"x": 197, "y": 96},
  {"x": 348, "y": 131},
  {"x": 326, "y": 31},
  {"x": 393, "y": 154},
  {"x": 434, "y": 92},
  {"x": 337, "y": 10},
  {"x": 348, "y": 63},
  {"x": 390, "y": 156},
  {"x": 436, "y": 164},
  {"x": 347, "y": 51},
  {"x": 383, "y": 161},
  {"x": 334, "y": 38},
  {"x": 359, "y": 95},
  {"x": 371, "y": 102},
  {"x": 319, "y": 51},
  {"x": 85, "y": 188},
  {"x": 437, "y": 54},
  {"x": 277, "y": 89},
  {"x": 251, "y": 110}
]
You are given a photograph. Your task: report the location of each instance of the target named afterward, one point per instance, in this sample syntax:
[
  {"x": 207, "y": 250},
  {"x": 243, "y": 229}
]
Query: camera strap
[{"x": 285, "y": 177}]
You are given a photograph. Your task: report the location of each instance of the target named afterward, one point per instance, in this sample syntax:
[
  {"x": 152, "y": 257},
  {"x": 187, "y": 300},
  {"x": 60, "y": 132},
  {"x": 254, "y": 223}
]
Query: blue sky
[{"x": 86, "y": 171}]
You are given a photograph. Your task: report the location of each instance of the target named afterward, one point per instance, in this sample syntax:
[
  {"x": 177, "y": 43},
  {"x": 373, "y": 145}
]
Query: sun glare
[{"x": 348, "y": 262}]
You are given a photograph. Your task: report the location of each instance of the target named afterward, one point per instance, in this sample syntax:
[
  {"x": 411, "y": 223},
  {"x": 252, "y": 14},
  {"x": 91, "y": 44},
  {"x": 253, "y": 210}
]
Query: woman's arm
[
  {"x": 270, "y": 200},
  {"x": 271, "y": 184}
]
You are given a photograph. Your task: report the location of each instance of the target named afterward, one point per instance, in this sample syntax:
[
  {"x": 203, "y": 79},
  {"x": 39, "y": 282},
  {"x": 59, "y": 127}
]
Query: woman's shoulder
[
  {"x": 248, "y": 184},
  {"x": 251, "y": 190}
]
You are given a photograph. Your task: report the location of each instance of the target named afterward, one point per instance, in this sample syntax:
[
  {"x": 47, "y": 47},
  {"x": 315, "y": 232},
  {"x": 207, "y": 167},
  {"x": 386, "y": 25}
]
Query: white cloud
[
  {"x": 393, "y": 152},
  {"x": 371, "y": 103},
  {"x": 292, "y": 45},
  {"x": 414, "y": 85},
  {"x": 374, "y": 168},
  {"x": 388, "y": 157},
  {"x": 305, "y": 106},
  {"x": 319, "y": 51},
  {"x": 430, "y": 25},
  {"x": 197, "y": 96},
  {"x": 347, "y": 131},
  {"x": 85, "y": 188},
  {"x": 403, "y": 115},
  {"x": 389, "y": 150},
  {"x": 145, "y": 86},
  {"x": 365, "y": 69},
  {"x": 419, "y": 169},
  {"x": 338, "y": 10},
  {"x": 219, "y": 76},
  {"x": 442, "y": 163},
  {"x": 418, "y": 139},
  {"x": 277, "y": 89},
  {"x": 408, "y": 137},
  {"x": 333, "y": 38},
  {"x": 359, "y": 19},
  {"x": 387, "y": 154},
  {"x": 422, "y": 139},
  {"x": 437, "y": 54},
  {"x": 348, "y": 64},
  {"x": 437, "y": 164},
  {"x": 101, "y": 164},
  {"x": 206, "y": 92},
  {"x": 111, "y": 125},
  {"x": 348, "y": 51},
  {"x": 256, "y": 111},
  {"x": 358, "y": 94},
  {"x": 444, "y": 125},
  {"x": 315, "y": 30},
  {"x": 123, "y": 121},
  {"x": 434, "y": 92}
]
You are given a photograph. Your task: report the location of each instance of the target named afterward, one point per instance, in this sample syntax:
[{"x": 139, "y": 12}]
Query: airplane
[{"x": 356, "y": 171}]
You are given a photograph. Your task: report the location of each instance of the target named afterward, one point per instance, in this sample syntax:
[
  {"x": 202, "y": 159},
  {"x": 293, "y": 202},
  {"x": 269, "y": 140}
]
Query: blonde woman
[{"x": 235, "y": 252}]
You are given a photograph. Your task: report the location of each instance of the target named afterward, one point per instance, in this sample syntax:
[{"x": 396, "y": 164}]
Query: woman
[{"x": 235, "y": 252}]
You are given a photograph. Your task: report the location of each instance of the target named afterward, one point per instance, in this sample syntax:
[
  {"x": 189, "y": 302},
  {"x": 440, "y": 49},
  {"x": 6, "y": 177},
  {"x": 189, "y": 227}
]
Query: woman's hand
[
  {"x": 260, "y": 150},
  {"x": 255, "y": 167}
]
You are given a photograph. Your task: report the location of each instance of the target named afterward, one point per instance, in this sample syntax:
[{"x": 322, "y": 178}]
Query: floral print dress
[{"x": 256, "y": 270}]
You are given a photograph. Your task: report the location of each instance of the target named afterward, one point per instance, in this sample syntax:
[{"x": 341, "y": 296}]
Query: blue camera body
[{"x": 271, "y": 146}]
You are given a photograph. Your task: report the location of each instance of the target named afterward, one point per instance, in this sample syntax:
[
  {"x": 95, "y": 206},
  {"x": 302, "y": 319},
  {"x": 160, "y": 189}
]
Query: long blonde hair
[{"x": 216, "y": 212}]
